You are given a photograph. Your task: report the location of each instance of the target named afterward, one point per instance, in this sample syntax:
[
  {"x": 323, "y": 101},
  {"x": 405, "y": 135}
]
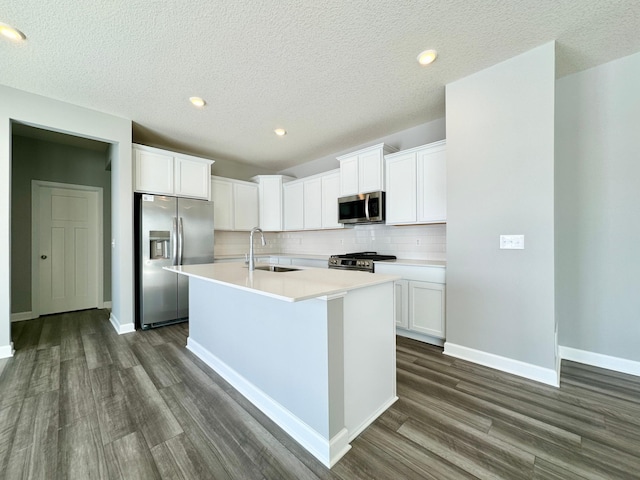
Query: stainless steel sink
[{"x": 275, "y": 268}]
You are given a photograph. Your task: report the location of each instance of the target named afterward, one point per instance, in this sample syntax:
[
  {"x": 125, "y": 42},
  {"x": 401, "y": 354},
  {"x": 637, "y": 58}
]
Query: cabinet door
[
  {"x": 270, "y": 204},
  {"x": 370, "y": 171},
  {"x": 222, "y": 197},
  {"x": 426, "y": 308},
  {"x": 154, "y": 172},
  {"x": 293, "y": 206},
  {"x": 401, "y": 189},
  {"x": 349, "y": 176},
  {"x": 330, "y": 194},
  {"x": 192, "y": 178},
  {"x": 245, "y": 206},
  {"x": 432, "y": 185},
  {"x": 313, "y": 204},
  {"x": 402, "y": 303}
]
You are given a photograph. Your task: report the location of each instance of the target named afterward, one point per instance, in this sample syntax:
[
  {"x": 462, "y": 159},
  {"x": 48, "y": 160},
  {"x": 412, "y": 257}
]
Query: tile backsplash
[{"x": 420, "y": 242}]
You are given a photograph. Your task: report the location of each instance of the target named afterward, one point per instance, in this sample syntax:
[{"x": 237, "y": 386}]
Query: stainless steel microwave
[{"x": 362, "y": 208}]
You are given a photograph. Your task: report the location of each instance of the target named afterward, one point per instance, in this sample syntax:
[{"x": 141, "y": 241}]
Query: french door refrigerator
[{"x": 169, "y": 231}]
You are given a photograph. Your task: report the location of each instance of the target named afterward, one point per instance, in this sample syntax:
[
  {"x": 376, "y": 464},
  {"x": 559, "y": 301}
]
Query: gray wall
[
  {"x": 598, "y": 209},
  {"x": 500, "y": 148},
  {"x": 41, "y": 160}
]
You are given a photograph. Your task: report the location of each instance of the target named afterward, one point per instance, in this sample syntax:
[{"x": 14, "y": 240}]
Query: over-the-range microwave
[{"x": 361, "y": 208}]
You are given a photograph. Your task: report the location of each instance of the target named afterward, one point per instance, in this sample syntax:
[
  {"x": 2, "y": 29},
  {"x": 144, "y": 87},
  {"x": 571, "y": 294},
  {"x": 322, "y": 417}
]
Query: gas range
[{"x": 362, "y": 261}]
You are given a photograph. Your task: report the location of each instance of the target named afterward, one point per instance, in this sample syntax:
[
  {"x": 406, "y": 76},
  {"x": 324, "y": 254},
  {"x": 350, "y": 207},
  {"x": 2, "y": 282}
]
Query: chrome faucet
[{"x": 252, "y": 258}]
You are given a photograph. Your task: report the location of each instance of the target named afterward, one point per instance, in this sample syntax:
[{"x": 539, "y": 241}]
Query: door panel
[
  {"x": 196, "y": 217},
  {"x": 158, "y": 296},
  {"x": 67, "y": 249}
]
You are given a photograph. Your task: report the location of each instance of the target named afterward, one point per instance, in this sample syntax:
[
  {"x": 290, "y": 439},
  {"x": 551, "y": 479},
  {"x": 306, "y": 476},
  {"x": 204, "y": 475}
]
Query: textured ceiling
[{"x": 334, "y": 73}]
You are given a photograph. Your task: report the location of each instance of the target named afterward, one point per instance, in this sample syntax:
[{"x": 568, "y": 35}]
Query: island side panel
[
  {"x": 282, "y": 348},
  {"x": 370, "y": 355}
]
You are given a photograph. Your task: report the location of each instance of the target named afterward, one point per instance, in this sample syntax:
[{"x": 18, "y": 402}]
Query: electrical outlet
[{"x": 512, "y": 242}]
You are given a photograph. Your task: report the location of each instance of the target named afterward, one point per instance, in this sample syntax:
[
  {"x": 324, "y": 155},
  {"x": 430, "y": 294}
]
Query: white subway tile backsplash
[{"x": 421, "y": 242}]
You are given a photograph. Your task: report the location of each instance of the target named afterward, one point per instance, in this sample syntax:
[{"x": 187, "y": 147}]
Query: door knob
[{"x": 44, "y": 257}]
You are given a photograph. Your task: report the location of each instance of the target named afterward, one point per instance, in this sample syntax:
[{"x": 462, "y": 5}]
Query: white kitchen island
[{"x": 314, "y": 349}]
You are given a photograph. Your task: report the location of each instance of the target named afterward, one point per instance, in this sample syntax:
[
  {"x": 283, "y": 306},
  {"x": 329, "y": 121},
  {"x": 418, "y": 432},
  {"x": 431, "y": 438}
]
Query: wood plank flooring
[{"x": 78, "y": 401}]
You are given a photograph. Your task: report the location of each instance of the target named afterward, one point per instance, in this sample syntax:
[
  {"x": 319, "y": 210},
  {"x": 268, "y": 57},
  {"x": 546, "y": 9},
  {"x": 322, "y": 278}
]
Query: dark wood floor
[{"x": 78, "y": 401}]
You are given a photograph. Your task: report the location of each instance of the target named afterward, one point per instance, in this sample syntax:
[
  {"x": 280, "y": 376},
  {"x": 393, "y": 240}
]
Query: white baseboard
[
  {"x": 6, "y": 351},
  {"x": 328, "y": 451},
  {"x": 509, "y": 365},
  {"x": 617, "y": 364},
  {"x": 420, "y": 337},
  {"x": 21, "y": 316},
  {"x": 121, "y": 329},
  {"x": 107, "y": 305}
]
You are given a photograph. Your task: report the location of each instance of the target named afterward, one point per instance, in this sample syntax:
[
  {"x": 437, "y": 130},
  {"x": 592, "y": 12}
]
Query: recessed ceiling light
[
  {"x": 281, "y": 132},
  {"x": 11, "y": 33},
  {"x": 197, "y": 101},
  {"x": 427, "y": 57}
]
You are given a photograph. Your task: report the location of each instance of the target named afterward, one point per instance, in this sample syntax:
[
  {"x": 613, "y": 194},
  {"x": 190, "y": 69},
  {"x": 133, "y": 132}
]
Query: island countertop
[{"x": 294, "y": 286}]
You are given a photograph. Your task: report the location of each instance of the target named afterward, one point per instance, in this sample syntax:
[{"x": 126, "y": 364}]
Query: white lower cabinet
[
  {"x": 402, "y": 303},
  {"x": 419, "y": 301},
  {"x": 426, "y": 308}
]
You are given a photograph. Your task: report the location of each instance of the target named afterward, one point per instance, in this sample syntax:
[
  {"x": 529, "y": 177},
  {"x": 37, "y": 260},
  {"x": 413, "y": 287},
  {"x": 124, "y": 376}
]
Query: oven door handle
[{"x": 366, "y": 207}]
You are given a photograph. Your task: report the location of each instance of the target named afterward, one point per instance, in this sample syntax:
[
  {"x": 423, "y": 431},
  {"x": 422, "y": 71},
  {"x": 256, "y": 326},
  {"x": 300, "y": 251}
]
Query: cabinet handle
[{"x": 43, "y": 257}]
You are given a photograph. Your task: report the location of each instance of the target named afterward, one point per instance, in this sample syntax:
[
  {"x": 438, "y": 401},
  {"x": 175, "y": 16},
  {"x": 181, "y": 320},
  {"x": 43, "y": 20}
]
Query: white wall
[
  {"x": 412, "y": 137},
  {"x": 500, "y": 154},
  {"x": 66, "y": 118},
  {"x": 598, "y": 209}
]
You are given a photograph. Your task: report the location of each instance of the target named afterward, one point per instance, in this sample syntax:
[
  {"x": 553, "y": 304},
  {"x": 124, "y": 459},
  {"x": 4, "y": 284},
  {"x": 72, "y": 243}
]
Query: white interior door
[{"x": 67, "y": 249}]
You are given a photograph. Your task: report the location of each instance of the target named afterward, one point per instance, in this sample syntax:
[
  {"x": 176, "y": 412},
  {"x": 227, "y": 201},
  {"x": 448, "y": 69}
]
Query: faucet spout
[{"x": 252, "y": 258}]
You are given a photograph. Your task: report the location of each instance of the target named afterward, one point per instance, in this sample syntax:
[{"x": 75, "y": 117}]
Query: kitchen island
[{"x": 314, "y": 349}]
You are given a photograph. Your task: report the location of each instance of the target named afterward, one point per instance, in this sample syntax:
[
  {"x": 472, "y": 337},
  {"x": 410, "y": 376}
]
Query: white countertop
[
  {"x": 301, "y": 284},
  {"x": 416, "y": 263}
]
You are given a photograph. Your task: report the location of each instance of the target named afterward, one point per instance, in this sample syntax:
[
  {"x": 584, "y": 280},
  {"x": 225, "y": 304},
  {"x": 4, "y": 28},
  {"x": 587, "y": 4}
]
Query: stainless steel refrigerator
[{"x": 169, "y": 231}]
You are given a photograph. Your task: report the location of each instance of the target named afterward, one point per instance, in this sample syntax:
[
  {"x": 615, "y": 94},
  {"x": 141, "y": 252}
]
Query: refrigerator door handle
[
  {"x": 180, "y": 241},
  {"x": 174, "y": 242}
]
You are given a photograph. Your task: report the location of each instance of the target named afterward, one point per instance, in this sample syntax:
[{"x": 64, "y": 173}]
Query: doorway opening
[{"x": 75, "y": 173}]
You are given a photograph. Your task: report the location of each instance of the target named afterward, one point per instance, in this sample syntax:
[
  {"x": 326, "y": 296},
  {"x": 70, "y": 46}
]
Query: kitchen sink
[{"x": 275, "y": 268}]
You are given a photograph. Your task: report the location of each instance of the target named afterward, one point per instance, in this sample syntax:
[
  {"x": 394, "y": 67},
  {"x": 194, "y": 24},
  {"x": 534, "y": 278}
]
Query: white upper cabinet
[
  {"x": 154, "y": 172},
  {"x": 271, "y": 201},
  {"x": 401, "y": 204},
  {"x": 432, "y": 184},
  {"x": 363, "y": 171},
  {"x": 191, "y": 178},
  {"x": 293, "y": 205},
  {"x": 417, "y": 185},
  {"x": 222, "y": 197},
  {"x": 313, "y": 204},
  {"x": 245, "y": 214},
  {"x": 168, "y": 173},
  {"x": 330, "y": 195},
  {"x": 235, "y": 204},
  {"x": 349, "y": 183}
]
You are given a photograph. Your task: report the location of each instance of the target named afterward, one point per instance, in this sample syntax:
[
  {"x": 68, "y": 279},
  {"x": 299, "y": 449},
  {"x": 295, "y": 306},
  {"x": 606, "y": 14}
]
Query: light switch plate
[{"x": 512, "y": 242}]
